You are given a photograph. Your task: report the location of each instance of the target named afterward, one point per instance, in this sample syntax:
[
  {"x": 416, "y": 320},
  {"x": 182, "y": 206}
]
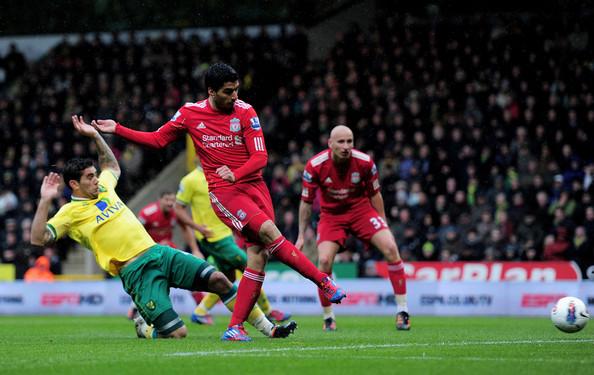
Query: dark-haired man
[
  {"x": 98, "y": 219},
  {"x": 228, "y": 138}
]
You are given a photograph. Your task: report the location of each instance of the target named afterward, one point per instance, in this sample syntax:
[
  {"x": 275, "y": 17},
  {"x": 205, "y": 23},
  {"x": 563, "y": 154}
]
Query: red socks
[
  {"x": 397, "y": 277},
  {"x": 287, "y": 253},
  {"x": 325, "y": 302},
  {"x": 197, "y": 297},
  {"x": 247, "y": 295}
]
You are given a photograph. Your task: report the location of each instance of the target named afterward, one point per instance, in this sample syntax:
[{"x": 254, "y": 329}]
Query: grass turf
[{"x": 362, "y": 345}]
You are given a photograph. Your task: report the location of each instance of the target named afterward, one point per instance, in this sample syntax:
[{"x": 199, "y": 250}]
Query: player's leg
[
  {"x": 327, "y": 251},
  {"x": 232, "y": 260},
  {"x": 255, "y": 317},
  {"x": 277, "y": 245},
  {"x": 249, "y": 211},
  {"x": 191, "y": 273},
  {"x": 146, "y": 281},
  {"x": 383, "y": 240},
  {"x": 132, "y": 311},
  {"x": 201, "y": 313}
]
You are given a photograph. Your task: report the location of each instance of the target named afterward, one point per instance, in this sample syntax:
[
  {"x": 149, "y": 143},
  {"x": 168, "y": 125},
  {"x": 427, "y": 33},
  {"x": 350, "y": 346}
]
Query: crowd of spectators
[
  {"x": 139, "y": 81},
  {"x": 481, "y": 128}
]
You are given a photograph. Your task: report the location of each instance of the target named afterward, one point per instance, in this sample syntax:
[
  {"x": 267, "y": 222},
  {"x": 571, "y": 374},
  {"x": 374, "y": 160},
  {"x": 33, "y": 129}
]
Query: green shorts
[
  {"x": 227, "y": 255},
  {"x": 148, "y": 279}
]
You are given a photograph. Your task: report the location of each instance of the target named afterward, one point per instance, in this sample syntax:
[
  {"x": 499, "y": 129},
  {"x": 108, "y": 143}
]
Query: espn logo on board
[
  {"x": 538, "y": 300},
  {"x": 59, "y": 299}
]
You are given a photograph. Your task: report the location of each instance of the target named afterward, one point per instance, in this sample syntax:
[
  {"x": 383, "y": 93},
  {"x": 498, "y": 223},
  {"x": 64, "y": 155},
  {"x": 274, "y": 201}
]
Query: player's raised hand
[
  {"x": 82, "y": 127},
  {"x": 105, "y": 126},
  {"x": 50, "y": 185}
]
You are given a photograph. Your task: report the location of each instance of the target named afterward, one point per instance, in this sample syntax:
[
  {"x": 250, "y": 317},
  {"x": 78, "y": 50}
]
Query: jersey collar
[{"x": 78, "y": 199}]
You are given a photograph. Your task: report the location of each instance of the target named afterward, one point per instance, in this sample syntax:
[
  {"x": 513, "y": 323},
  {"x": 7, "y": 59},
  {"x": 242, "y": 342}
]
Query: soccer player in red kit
[
  {"x": 228, "y": 138},
  {"x": 159, "y": 219},
  {"x": 351, "y": 202}
]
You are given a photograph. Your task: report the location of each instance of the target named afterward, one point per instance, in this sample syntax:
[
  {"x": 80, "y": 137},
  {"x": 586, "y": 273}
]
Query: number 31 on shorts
[{"x": 378, "y": 222}]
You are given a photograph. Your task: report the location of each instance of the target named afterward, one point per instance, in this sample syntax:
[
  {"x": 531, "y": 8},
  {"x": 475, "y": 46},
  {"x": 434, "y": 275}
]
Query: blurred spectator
[
  {"x": 40, "y": 271},
  {"x": 473, "y": 248},
  {"x": 583, "y": 250},
  {"x": 557, "y": 246}
]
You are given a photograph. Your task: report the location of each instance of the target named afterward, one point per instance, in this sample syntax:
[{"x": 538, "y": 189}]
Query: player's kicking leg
[
  {"x": 276, "y": 244},
  {"x": 327, "y": 251},
  {"x": 253, "y": 276}
]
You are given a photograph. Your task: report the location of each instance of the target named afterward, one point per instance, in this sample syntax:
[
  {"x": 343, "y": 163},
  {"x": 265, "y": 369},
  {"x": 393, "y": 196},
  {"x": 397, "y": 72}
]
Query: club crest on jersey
[
  {"x": 355, "y": 177},
  {"x": 151, "y": 305},
  {"x": 307, "y": 176},
  {"x": 234, "y": 125},
  {"x": 241, "y": 214},
  {"x": 255, "y": 123}
]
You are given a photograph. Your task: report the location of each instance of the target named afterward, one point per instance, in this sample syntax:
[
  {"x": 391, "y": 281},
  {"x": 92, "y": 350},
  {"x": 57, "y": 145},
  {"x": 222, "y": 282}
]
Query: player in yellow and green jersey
[
  {"x": 98, "y": 219},
  {"x": 220, "y": 245}
]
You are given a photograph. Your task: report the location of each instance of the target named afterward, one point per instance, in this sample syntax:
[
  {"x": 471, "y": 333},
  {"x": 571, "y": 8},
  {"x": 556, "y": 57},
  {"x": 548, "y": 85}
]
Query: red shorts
[
  {"x": 243, "y": 207},
  {"x": 362, "y": 222}
]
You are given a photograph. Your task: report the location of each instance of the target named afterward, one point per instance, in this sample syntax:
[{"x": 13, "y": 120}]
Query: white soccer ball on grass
[{"x": 570, "y": 314}]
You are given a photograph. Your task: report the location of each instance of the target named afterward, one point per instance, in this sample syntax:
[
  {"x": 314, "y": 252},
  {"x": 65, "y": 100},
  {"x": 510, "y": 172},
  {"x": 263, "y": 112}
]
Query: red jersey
[
  {"x": 158, "y": 224},
  {"x": 341, "y": 189},
  {"x": 235, "y": 139}
]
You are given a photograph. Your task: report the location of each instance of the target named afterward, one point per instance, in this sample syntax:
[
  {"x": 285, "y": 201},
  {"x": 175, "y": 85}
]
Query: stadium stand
[{"x": 481, "y": 126}]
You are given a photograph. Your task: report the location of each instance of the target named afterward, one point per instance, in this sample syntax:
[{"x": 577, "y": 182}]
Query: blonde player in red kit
[
  {"x": 228, "y": 138},
  {"x": 351, "y": 202}
]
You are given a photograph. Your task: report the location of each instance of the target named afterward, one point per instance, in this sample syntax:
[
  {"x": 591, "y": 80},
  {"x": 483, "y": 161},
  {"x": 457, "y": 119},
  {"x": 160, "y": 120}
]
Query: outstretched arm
[
  {"x": 107, "y": 159},
  {"x": 304, "y": 220},
  {"x": 157, "y": 139},
  {"x": 40, "y": 234}
]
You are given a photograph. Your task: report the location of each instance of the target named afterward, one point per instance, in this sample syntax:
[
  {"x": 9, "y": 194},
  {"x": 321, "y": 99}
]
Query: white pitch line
[
  {"x": 376, "y": 346},
  {"x": 422, "y": 358}
]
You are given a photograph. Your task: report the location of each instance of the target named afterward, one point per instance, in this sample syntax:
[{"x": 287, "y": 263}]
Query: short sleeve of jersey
[
  {"x": 308, "y": 191},
  {"x": 107, "y": 181},
  {"x": 184, "y": 191},
  {"x": 179, "y": 118},
  {"x": 252, "y": 131},
  {"x": 59, "y": 225},
  {"x": 373, "y": 186}
]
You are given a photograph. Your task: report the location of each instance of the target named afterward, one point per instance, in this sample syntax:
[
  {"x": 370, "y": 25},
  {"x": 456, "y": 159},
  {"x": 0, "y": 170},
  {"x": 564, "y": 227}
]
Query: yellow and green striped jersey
[
  {"x": 193, "y": 192},
  {"x": 104, "y": 225}
]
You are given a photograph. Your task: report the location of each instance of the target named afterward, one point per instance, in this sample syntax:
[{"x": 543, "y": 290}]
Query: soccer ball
[{"x": 569, "y": 314}]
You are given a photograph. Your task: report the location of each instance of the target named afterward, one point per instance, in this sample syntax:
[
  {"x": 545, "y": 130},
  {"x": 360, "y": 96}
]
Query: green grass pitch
[{"x": 362, "y": 345}]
